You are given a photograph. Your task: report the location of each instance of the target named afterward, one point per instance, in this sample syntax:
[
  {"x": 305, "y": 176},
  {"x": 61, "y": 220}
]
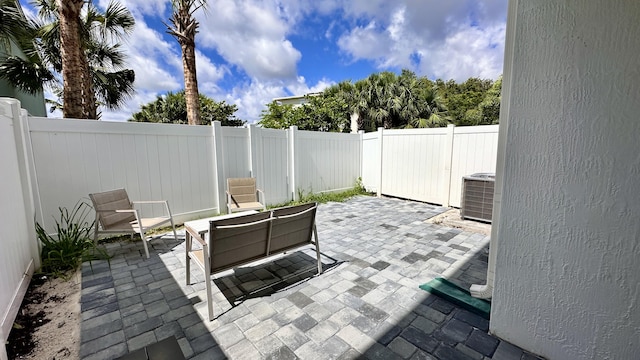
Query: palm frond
[
  {"x": 113, "y": 88},
  {"x": 24, "y": 74}
]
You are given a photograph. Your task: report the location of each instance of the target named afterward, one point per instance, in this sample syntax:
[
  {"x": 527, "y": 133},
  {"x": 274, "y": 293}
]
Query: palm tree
[
  {"x": 184, "y": 28},
  {"x": 108, "y": 81},
  {"x": 78, "y": 95},
  {"x": 432, "y": 112}
]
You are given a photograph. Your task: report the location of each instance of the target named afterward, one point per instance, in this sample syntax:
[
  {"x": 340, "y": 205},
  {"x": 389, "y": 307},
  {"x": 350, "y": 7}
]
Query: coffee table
[{"x": 202, "y": 225}]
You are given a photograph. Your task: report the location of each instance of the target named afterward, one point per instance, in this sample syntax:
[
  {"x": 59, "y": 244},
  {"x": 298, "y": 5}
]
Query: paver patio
[{"x": 366, "y": 304}]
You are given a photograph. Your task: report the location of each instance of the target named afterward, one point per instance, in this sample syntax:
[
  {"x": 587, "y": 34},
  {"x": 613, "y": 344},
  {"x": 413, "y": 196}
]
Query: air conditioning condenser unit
[{"x": 477, "y": 196}]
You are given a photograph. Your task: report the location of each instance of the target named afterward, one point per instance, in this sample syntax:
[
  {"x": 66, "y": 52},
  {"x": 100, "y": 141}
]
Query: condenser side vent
[{"x": 477, "y": 197}]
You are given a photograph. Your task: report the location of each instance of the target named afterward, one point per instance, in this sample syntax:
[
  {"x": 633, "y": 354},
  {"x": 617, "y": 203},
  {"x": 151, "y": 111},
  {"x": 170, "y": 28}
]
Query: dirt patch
[
  {"x": 48, "y": 322},
  {"x": 451, "y": 218}
]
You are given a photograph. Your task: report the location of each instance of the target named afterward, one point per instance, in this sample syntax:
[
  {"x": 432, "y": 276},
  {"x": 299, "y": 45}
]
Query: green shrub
[{"x": 73, "y": 243}]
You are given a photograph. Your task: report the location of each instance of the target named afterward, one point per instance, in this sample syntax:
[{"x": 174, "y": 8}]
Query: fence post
[
  {"x": 254, "y": 145},
  {"x": 380, "y": 137},
  {"x": 292, "y": 162},
  {"x": 19, "y": 118},
  {"x": 448, "y": 161},
  {"x": 218, "y": 166},
  {"x": 361, "y": 133}
]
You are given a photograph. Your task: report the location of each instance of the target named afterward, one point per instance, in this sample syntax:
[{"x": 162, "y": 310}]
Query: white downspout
[{"x": 486, "y": 291}]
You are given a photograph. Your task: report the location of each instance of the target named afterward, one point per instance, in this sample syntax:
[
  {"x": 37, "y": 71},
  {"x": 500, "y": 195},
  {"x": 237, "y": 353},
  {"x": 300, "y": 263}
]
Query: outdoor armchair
[
  {"x": 115, "y": 214},
  {"x": 243, "y": 195}
]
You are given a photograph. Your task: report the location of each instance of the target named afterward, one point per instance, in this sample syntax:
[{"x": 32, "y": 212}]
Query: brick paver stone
[{"x": 366, "y": 304}]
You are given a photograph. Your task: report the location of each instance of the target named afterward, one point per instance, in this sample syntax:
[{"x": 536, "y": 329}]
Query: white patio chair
[
  {"x": 115, "y": 214},
  {"x": 243, "y": 195}
]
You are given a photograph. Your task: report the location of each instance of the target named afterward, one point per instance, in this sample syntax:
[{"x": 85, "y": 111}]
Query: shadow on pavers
[
  {"x": 131, "y": 302},
  {"x": 269, "y": 276}
]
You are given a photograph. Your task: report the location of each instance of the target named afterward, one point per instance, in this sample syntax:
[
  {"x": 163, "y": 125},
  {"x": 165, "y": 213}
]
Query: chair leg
[
  {"x": 207, "y": 279},
  {"x": 315, "y": 233},
  {"x": 144, "y": 242},
  {"x": 188, "y": 258},
  {"x": 173, "y": 226}
]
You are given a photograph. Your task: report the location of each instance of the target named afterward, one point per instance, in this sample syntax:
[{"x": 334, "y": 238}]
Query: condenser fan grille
[{"x": 477, "y": 197}]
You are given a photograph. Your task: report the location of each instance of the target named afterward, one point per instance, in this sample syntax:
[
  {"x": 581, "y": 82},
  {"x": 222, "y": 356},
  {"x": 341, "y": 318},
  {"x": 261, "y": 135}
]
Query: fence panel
[
  {"x": 412, "y": 163},
  {"x": 236, "y": 152},
  {"x": 326, "y": 161},
  {"x": 17, "y": 237},
  {"x": 73, "y": 158},
  {"x": 370, "y": 161},
  {"x": 272, "y": 175},
  {"x": 475, "y": 150}
]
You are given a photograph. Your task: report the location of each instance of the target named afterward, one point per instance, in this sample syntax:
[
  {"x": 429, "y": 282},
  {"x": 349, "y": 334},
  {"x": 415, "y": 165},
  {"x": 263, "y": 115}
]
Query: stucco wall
[{"x": 568, "y": 265}]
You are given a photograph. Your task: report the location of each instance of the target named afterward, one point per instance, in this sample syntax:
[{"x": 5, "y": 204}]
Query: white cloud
[
  {"x": 365, "y": 42},
  {"x": 300, "y": 87},
  {"x": 208, "y": 73},
  {"x": 472, "y": 52},
  {"x": 251, "y": 36},
  {"x": 140, "y": 7},
  {"x": 251, "y": 97},
  {"x": 439, "y": 39}
]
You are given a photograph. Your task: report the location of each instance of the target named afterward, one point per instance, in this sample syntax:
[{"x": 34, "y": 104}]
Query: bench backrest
[
  {"x": 247, "y": 238},
  {"x": 292, "y": 227}
]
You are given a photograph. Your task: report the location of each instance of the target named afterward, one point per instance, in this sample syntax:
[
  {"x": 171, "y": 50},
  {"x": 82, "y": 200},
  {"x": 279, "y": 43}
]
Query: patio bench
[{"x": 247, "y": 238}]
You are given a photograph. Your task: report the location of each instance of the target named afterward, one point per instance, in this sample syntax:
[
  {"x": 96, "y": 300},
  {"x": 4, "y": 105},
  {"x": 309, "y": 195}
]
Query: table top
[{"x": 202, "y": 225}]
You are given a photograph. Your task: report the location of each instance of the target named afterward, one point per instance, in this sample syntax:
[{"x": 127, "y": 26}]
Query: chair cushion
[
  {"x": 112, "y": 200},
  {"x": 246, "y": 206}
]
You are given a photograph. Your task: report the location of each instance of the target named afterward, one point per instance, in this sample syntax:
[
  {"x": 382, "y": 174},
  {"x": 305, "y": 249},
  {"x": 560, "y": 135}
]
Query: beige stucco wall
[{"x": 568, "y": 261}]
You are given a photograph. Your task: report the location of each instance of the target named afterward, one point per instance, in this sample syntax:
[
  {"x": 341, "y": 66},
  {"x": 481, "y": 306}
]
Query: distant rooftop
[{"x": 296, "y": 99}]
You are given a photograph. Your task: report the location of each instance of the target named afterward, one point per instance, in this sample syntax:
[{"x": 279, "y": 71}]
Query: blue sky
[{"x": 250, "y": 51}]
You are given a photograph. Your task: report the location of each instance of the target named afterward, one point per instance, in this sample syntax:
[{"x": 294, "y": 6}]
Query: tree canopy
[
  {"x": 172, "y": 108},
  {"x": 391, "y": 101},
  {"x": 323, "y": 112}
]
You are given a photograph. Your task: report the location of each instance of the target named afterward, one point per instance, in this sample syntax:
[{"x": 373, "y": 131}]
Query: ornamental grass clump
[{"x": 72, "y": 245}]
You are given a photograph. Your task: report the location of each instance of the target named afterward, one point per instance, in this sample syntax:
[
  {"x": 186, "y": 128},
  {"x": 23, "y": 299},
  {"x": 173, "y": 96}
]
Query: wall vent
[{"x": 477, "y": 196}]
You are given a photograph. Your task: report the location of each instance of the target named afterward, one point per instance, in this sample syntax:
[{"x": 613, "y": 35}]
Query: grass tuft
[{"x": 324, "y": 197}]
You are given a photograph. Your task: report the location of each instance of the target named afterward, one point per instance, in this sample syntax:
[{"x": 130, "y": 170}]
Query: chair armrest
[
  {"x": 149, "y": 202},
  {"x": 259, "y": 197},
  {"x": 165, "y": 202},
  {"x": 195, "y": 235}
]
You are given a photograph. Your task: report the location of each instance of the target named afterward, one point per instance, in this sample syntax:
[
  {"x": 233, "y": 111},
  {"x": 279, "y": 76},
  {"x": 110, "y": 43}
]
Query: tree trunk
[
  {"x": 78, "y": 97},
  {"x": 191, "y": 83}
]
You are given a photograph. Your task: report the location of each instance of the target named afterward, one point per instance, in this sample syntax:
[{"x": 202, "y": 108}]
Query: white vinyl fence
[
  {"x": 186, "y": 165},
  {"x": 19, "y": 251},
  {"x": 48, "y": 163},
  {"x": 427, "y": 164}
]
